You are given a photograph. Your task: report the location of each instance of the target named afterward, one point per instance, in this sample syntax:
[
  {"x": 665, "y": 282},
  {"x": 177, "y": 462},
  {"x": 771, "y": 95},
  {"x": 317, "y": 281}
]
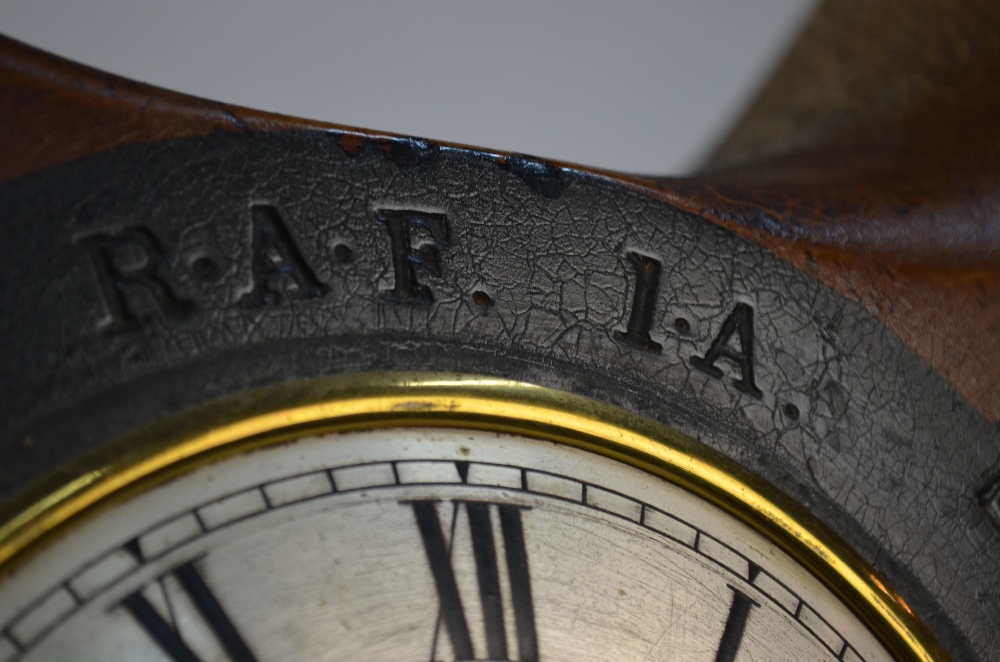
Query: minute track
[
  {"x": 557, "y": 273},
  {"x": 533, "y": 482}
]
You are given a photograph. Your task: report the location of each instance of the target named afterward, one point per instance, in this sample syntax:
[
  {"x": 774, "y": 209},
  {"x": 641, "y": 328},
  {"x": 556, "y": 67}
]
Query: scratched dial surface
[{"x": 417, "y": 545}]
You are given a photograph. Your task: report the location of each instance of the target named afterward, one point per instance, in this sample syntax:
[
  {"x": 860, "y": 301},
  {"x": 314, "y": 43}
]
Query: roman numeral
[
  {"x": 488, "y": 575},
  {"x": 736, "y": 623},
  {"x": 167, "y": 637}
]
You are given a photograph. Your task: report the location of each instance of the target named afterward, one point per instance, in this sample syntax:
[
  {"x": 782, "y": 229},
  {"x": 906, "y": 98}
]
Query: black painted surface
[{"x": 532, "y": 283}]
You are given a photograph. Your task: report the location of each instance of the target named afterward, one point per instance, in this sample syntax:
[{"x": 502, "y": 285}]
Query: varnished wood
[
  {"x": 54, "y": 111},
  {"x": 872, "y": 161},
  {"x": 885, "y": 184}
]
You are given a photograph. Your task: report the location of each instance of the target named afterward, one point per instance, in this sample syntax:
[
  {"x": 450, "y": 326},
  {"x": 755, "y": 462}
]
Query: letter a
[
  {"x": 741, "y": 323},
  {"x": 274, "y": 256}
]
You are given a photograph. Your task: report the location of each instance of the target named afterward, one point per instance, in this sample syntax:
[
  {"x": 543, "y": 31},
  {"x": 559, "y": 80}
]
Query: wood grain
[
  {"x": 54, "y": 111},
  {"x": 872, "y": 161},
  {"x": 885, "y": 184}
]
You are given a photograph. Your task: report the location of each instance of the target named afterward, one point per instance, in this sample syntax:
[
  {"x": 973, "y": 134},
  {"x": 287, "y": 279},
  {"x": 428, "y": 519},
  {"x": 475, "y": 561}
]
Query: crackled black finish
[{"x": 517, "y": 269}]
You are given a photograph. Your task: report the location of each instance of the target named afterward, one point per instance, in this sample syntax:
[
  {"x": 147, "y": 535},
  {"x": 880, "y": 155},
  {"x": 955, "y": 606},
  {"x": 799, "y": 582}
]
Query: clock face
[{"x": 420, "y": 544}]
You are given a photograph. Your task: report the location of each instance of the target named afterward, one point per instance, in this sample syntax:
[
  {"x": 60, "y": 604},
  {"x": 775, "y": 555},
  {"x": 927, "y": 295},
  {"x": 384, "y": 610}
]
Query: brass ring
[{"x": 262, "y": 418}]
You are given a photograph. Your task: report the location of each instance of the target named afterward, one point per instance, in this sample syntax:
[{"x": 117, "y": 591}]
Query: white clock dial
[{"x": 415, "y": 545}]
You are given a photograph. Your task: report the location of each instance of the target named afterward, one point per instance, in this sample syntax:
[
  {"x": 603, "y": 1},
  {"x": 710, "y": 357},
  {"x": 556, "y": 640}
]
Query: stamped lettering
[
  {"x": 275, "y": 257},
  {"x": 406, "y": 258},
  {"x": 130, "y": 259},
  {"x": 989, "y": 501},
  {"x": 127, "y": 261},
  {"x": 740, "y": 322},
  {"x": 647, "y": 283}
]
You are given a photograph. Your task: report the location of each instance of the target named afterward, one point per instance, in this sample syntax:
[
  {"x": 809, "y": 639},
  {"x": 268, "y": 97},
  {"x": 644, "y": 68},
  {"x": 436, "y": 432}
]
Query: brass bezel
[{"x": 176, "y": 445}]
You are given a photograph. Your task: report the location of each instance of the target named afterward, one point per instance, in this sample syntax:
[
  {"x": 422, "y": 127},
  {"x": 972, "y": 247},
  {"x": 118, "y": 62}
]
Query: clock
[
  {"x": 280, "y": 390},
  {"x": 436, "y": 517}
]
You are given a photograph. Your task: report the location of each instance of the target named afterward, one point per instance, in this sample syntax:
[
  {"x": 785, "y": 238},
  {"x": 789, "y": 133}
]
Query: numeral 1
[{"x": 736, "y": 623}]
